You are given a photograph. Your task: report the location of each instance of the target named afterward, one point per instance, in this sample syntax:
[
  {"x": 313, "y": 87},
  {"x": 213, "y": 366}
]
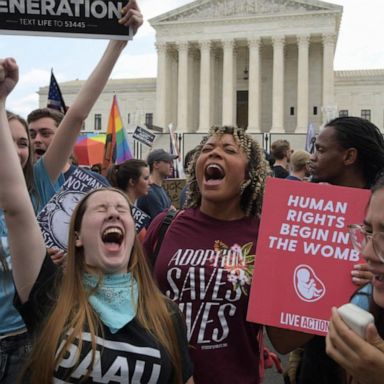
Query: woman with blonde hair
[
  {"x": 102, "y": 319},
  {"x": 44, "y": 179},
  {"x": 105, "y": 319}
]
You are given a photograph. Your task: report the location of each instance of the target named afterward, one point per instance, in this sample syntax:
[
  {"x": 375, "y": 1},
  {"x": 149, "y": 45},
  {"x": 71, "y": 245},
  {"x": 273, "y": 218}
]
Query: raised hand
[
  {"x": 9, "y": 76},
  {"x": 131, "y": 16},
  {"x": 65, "y": 138}
]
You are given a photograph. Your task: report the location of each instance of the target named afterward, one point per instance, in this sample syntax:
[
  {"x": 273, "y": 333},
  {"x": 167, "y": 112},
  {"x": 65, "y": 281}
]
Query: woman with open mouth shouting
[
  {"x": 101, "y": 319},
  {"x": 206, "y": 258},
  {"x": 43, "y": 179},
  {"x": 104, "y": 319}
]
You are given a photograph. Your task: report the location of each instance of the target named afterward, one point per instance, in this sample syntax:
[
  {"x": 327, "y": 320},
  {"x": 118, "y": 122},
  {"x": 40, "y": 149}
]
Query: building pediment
[{"x": 222, "y": 9}]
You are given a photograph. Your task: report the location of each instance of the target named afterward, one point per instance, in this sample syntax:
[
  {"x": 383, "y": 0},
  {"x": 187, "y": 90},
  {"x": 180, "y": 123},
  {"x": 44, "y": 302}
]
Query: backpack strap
[{"x": 161, "y": 233}]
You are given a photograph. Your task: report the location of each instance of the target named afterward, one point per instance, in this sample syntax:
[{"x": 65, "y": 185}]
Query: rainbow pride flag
[{"x": 116, "y": 144}]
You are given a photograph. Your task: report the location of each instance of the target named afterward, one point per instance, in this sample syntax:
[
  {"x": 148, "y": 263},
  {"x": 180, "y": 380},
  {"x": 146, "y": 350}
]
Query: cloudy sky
[{"x": 359, "y": 47}]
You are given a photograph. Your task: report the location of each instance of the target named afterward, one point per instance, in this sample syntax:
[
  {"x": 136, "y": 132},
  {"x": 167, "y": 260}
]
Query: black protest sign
[
  {"x": 66, "y": 18},
  {"x": 144, "y": 136},
  {"x": 141, "y": 219}
]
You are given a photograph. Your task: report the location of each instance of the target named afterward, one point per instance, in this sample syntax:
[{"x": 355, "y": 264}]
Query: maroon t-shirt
[{"x": 205, "y": 265}]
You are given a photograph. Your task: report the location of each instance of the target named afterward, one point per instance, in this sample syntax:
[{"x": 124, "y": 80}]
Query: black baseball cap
[{"x": 160, "y": 155}]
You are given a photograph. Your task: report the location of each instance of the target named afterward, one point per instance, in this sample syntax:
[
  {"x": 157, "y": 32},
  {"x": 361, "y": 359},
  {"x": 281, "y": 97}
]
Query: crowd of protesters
[{"x": 169, "y": 306}]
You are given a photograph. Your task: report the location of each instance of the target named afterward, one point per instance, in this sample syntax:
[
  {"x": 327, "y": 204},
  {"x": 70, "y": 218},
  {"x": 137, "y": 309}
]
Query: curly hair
[{"x": 257, "y": 168}]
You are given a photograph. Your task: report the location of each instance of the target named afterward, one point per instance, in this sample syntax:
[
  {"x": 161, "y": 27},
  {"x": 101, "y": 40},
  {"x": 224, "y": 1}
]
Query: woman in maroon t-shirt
[{"x": 205, "y": 263}]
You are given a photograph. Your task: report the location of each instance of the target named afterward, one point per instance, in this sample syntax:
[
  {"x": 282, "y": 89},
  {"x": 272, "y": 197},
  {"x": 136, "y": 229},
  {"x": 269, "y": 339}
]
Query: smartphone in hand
[{"x": 356, "y": 318}]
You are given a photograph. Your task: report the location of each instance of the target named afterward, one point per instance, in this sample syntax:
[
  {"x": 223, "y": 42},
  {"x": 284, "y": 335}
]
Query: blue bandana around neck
[{"x": 115, "y": 300}]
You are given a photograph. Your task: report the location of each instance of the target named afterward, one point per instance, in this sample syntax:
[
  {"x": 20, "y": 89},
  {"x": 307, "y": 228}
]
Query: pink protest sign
[{"x": 304, "y": 255}]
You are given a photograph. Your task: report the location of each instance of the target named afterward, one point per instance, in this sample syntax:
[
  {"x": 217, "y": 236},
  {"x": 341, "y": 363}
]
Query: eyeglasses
[{"x": 360, "y": 238}]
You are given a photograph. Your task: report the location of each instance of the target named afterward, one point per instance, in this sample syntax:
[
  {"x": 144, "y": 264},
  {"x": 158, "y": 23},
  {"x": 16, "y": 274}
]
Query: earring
[{"x": 244, "y": 185}]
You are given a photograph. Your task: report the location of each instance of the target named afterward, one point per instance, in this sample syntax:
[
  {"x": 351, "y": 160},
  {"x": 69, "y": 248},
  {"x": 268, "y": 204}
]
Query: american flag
[{"x": 55, "y": 98}]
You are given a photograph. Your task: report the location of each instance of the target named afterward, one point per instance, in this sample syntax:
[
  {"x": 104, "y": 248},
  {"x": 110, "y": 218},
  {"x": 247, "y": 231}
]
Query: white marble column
[
  {"x": 182, "y": 102},
  {"x": 161, "y": 86},
  {"x": 302, "y": 83},
  {"x": 254, "y": 88},
  {"x": 329, "y": 108},
  {"x": 278, "y": 84},
  {"x": 228, "y": 116},
  {"x": 205, "y": 118}
]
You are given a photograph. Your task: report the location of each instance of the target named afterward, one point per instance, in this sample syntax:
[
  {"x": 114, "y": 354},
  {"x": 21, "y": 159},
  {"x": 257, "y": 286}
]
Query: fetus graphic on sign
[{"x": 307, "y": 285}]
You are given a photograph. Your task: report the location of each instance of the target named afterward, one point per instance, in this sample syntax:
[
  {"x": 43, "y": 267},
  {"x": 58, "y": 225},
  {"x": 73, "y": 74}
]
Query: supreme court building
[{"x": 262, "y": 64}]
